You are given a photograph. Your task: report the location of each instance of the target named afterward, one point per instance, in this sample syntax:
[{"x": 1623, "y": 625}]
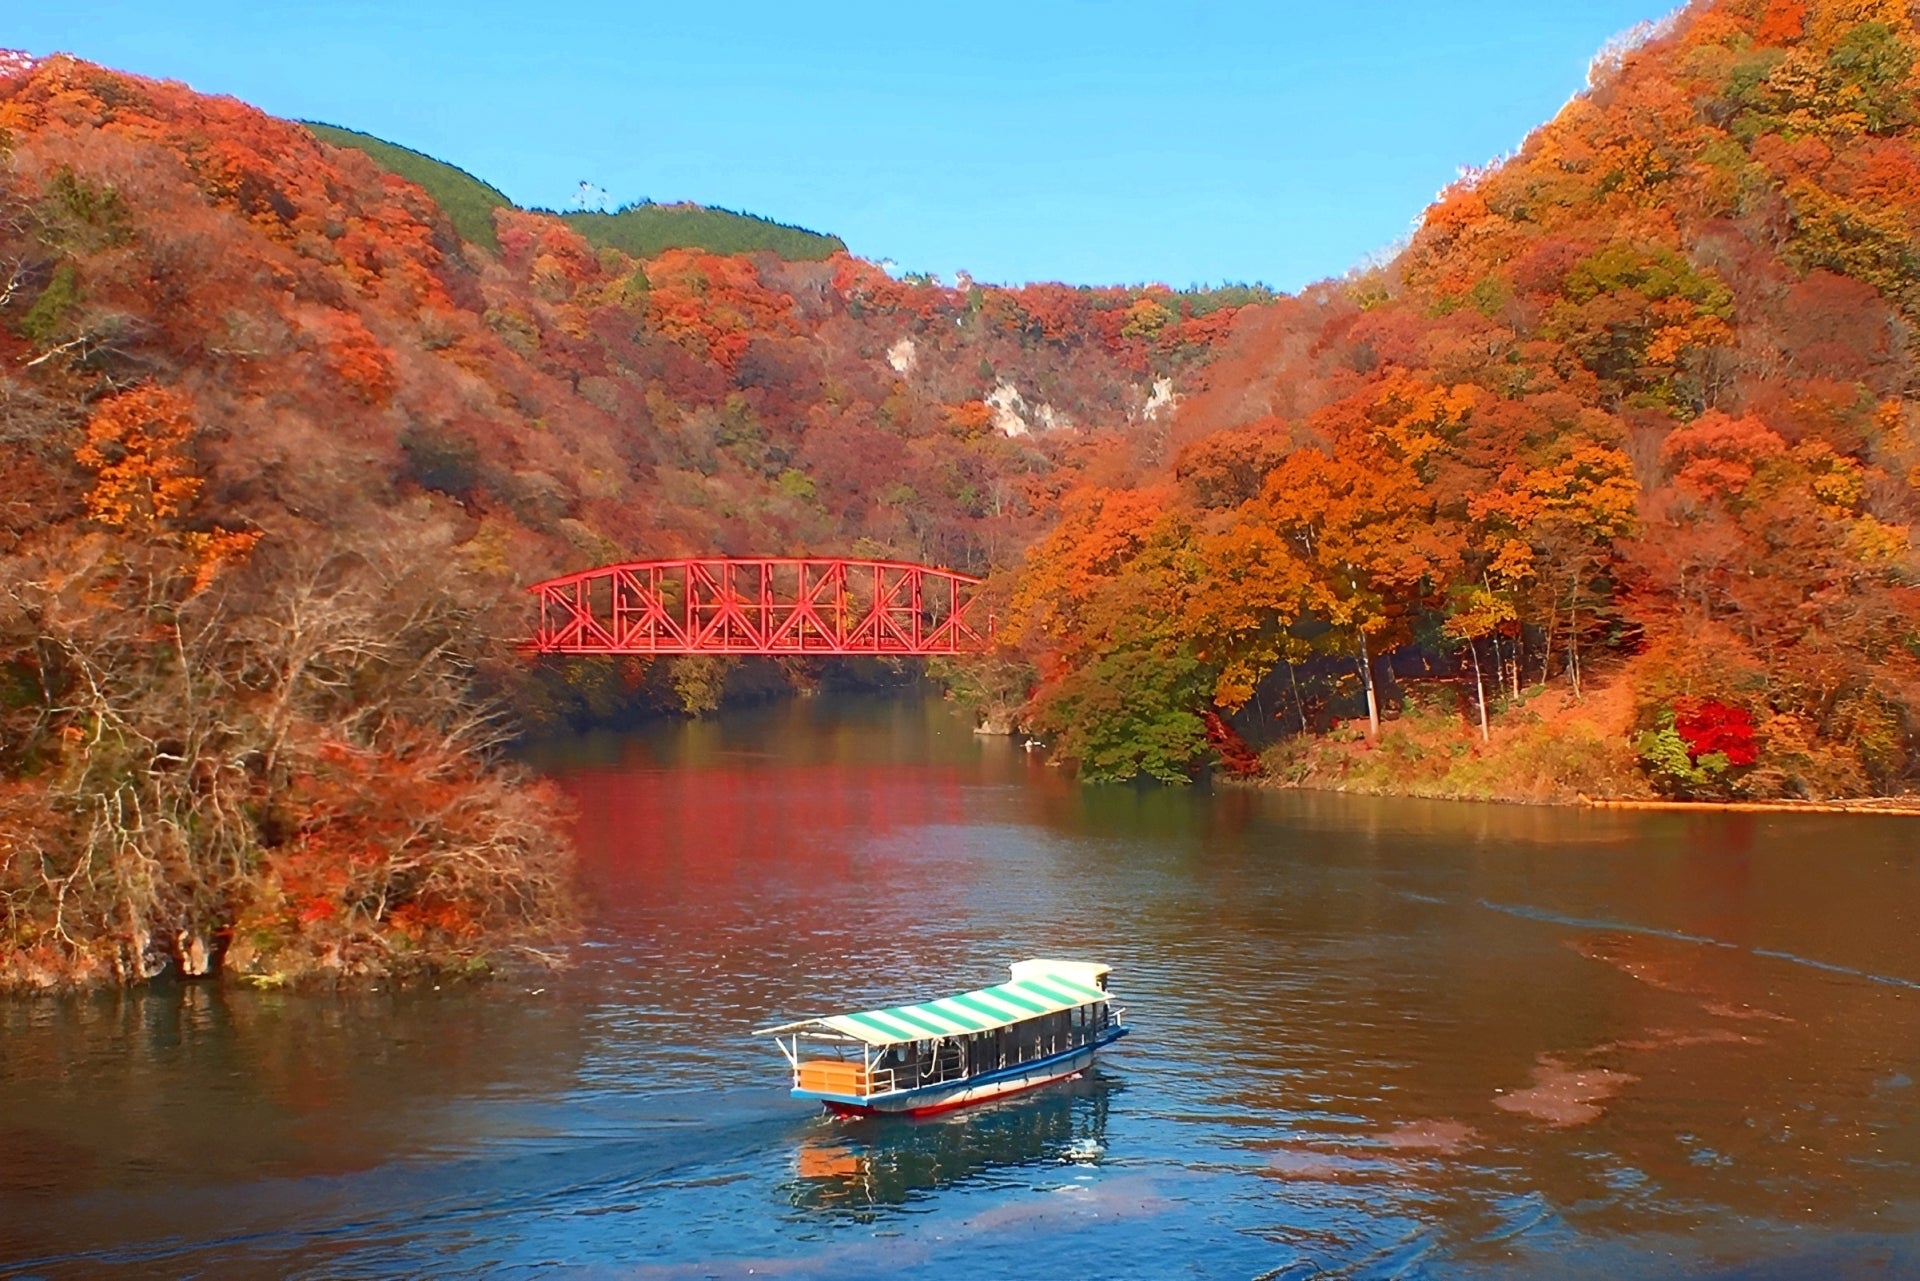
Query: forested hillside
[
  {"x": 647, "y": 230},
  {"x": 642, "y": 230},
  {"x": 281, "y": 448},
  {"x": 1608, "y": 481},
  {"x": 468, "y": 203}
]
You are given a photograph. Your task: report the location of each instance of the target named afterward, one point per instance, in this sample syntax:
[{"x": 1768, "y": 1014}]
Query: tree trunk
[
  {"x": 1373, "y": 703},
  {"x": 1299, "y": 707},
  {"x": 1479, "y": 689},
  {"x": 1546, "y": 659},
  {"x": 191, "y": 956},
  {"x": 1573, "y": 645}
]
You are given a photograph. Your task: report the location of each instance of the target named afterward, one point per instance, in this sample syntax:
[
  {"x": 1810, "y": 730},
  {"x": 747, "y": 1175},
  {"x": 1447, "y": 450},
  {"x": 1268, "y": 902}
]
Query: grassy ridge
[
  {"x": 468, "y": 202},
  {"x": 642, "y": 231}
]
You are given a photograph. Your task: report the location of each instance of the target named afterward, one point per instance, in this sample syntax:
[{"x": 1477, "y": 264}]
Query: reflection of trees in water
[
  {"x": 858, "y": 1166},
  {"x": 171, "y": 1085}
]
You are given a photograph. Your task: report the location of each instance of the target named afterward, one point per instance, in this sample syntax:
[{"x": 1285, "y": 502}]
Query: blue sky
[{"x": 1091, "y": 141}]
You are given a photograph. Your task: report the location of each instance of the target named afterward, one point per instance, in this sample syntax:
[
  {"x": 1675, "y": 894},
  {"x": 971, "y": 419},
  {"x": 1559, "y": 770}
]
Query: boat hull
[{"x": 947, "y": 1096}]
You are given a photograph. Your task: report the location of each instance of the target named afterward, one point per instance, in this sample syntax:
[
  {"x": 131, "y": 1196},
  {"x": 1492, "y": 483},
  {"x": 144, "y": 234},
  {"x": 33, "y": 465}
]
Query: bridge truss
[{"x": 761, "y": 605}]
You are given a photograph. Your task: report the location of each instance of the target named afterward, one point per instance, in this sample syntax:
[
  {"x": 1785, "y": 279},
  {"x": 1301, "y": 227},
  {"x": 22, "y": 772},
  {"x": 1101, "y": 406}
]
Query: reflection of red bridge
[{"x": 721, "y": 605}]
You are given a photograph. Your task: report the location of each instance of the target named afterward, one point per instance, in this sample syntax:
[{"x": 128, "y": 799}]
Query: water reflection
[
  {"x": 1437, "y": 1033},
  {"x": 1373, "y": 1038},
  {"x": 854, "y": 1166},
  {"x": 121, "y": 1111}
]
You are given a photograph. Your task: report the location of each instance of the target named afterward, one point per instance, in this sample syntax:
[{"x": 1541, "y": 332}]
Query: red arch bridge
[{"x": 761, "y": 605}]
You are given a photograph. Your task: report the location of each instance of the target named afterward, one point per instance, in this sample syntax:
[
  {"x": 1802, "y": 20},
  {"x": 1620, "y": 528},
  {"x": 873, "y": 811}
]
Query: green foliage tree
[
  {"x": 45, "y": 321},
  {"x": 1129, "y": 714},
  {"x": 699, "y": 681}
]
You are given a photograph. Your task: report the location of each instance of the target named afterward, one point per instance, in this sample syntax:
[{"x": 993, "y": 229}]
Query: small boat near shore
[{"x": 1044, "y": 1025}]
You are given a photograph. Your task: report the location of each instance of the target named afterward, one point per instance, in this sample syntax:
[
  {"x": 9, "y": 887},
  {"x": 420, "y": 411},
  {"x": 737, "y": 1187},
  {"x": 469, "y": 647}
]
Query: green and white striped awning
[{"x": 1026, "y": 997}]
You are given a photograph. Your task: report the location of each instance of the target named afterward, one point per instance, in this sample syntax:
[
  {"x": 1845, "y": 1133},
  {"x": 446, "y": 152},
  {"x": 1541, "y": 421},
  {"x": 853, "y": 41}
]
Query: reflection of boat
[
  {"x": 887, "y": 1161},
  {"x": 1044, "y": 1025}
]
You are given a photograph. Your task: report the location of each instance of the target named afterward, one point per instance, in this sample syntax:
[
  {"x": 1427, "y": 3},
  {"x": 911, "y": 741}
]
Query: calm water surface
[{"x": 1373, "y": 1039}]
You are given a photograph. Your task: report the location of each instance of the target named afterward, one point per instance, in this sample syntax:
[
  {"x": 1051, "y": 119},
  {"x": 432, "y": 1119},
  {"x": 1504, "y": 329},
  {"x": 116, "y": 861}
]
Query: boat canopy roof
[{"x": 1033, "y": 992}]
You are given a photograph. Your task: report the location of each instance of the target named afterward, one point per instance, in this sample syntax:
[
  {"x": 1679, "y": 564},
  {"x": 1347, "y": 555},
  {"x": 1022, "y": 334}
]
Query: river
[{"x": 1373, "y": 1038}]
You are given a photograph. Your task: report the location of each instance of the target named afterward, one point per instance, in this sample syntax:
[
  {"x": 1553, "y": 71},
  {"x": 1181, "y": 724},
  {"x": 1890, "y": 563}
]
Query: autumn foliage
[
  {"x": 1633, "y": 407},
  {"x": 1710, "y": 727},
  {"x": 1608, "y": 480},
  {"x": 279, "y": 450},
  {"x": 136, "y": 446}
]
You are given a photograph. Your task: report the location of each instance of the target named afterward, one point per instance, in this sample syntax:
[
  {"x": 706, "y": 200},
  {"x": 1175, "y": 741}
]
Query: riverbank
[
  {"x": 1550, "y": 747},
  {"x": 1908, "y": 806},
  {"x": 63, "y": 971},
  {"x": 1546, "y": 749}
]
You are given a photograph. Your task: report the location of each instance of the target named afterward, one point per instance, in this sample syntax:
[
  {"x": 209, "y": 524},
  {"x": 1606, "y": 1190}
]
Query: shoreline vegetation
[{"x": 1606, "y": 485}]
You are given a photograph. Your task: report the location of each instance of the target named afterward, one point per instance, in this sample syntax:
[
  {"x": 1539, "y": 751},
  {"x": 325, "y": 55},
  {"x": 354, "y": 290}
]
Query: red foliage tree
[{"x": 1707, "y": 726}]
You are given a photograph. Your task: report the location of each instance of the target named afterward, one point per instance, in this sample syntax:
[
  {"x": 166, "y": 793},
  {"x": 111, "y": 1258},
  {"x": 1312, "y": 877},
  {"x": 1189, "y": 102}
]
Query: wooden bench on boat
[{"x": 1045, "y": 1024}]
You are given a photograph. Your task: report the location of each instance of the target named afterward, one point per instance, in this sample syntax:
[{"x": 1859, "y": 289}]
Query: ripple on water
[{"x": 1373, "y": 1039}]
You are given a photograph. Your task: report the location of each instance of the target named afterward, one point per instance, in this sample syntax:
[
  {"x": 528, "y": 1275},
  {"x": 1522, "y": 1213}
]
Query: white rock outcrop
[
  {"x": 1009, "y": 410},
  {"x": 1161, "y": 401},
  {"x": 1012, "y": 416}
]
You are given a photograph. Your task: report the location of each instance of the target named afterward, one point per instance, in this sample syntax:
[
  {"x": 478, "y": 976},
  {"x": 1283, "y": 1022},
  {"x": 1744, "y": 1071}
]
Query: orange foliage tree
[
  {"x": 138, "y": 449},
  {"x": 713, "y": 305},
  {"x": 138, "y": 444}
]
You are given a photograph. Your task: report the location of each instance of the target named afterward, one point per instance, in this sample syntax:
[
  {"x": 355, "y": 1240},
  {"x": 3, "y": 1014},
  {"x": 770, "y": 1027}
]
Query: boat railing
[
  {"x": 947, "y": 1067},
  {"x": 943, "y": 1069}
]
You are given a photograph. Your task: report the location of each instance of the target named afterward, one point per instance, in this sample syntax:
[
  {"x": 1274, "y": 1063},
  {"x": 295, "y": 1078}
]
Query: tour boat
[{"x": 1044, "y": 1025}]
